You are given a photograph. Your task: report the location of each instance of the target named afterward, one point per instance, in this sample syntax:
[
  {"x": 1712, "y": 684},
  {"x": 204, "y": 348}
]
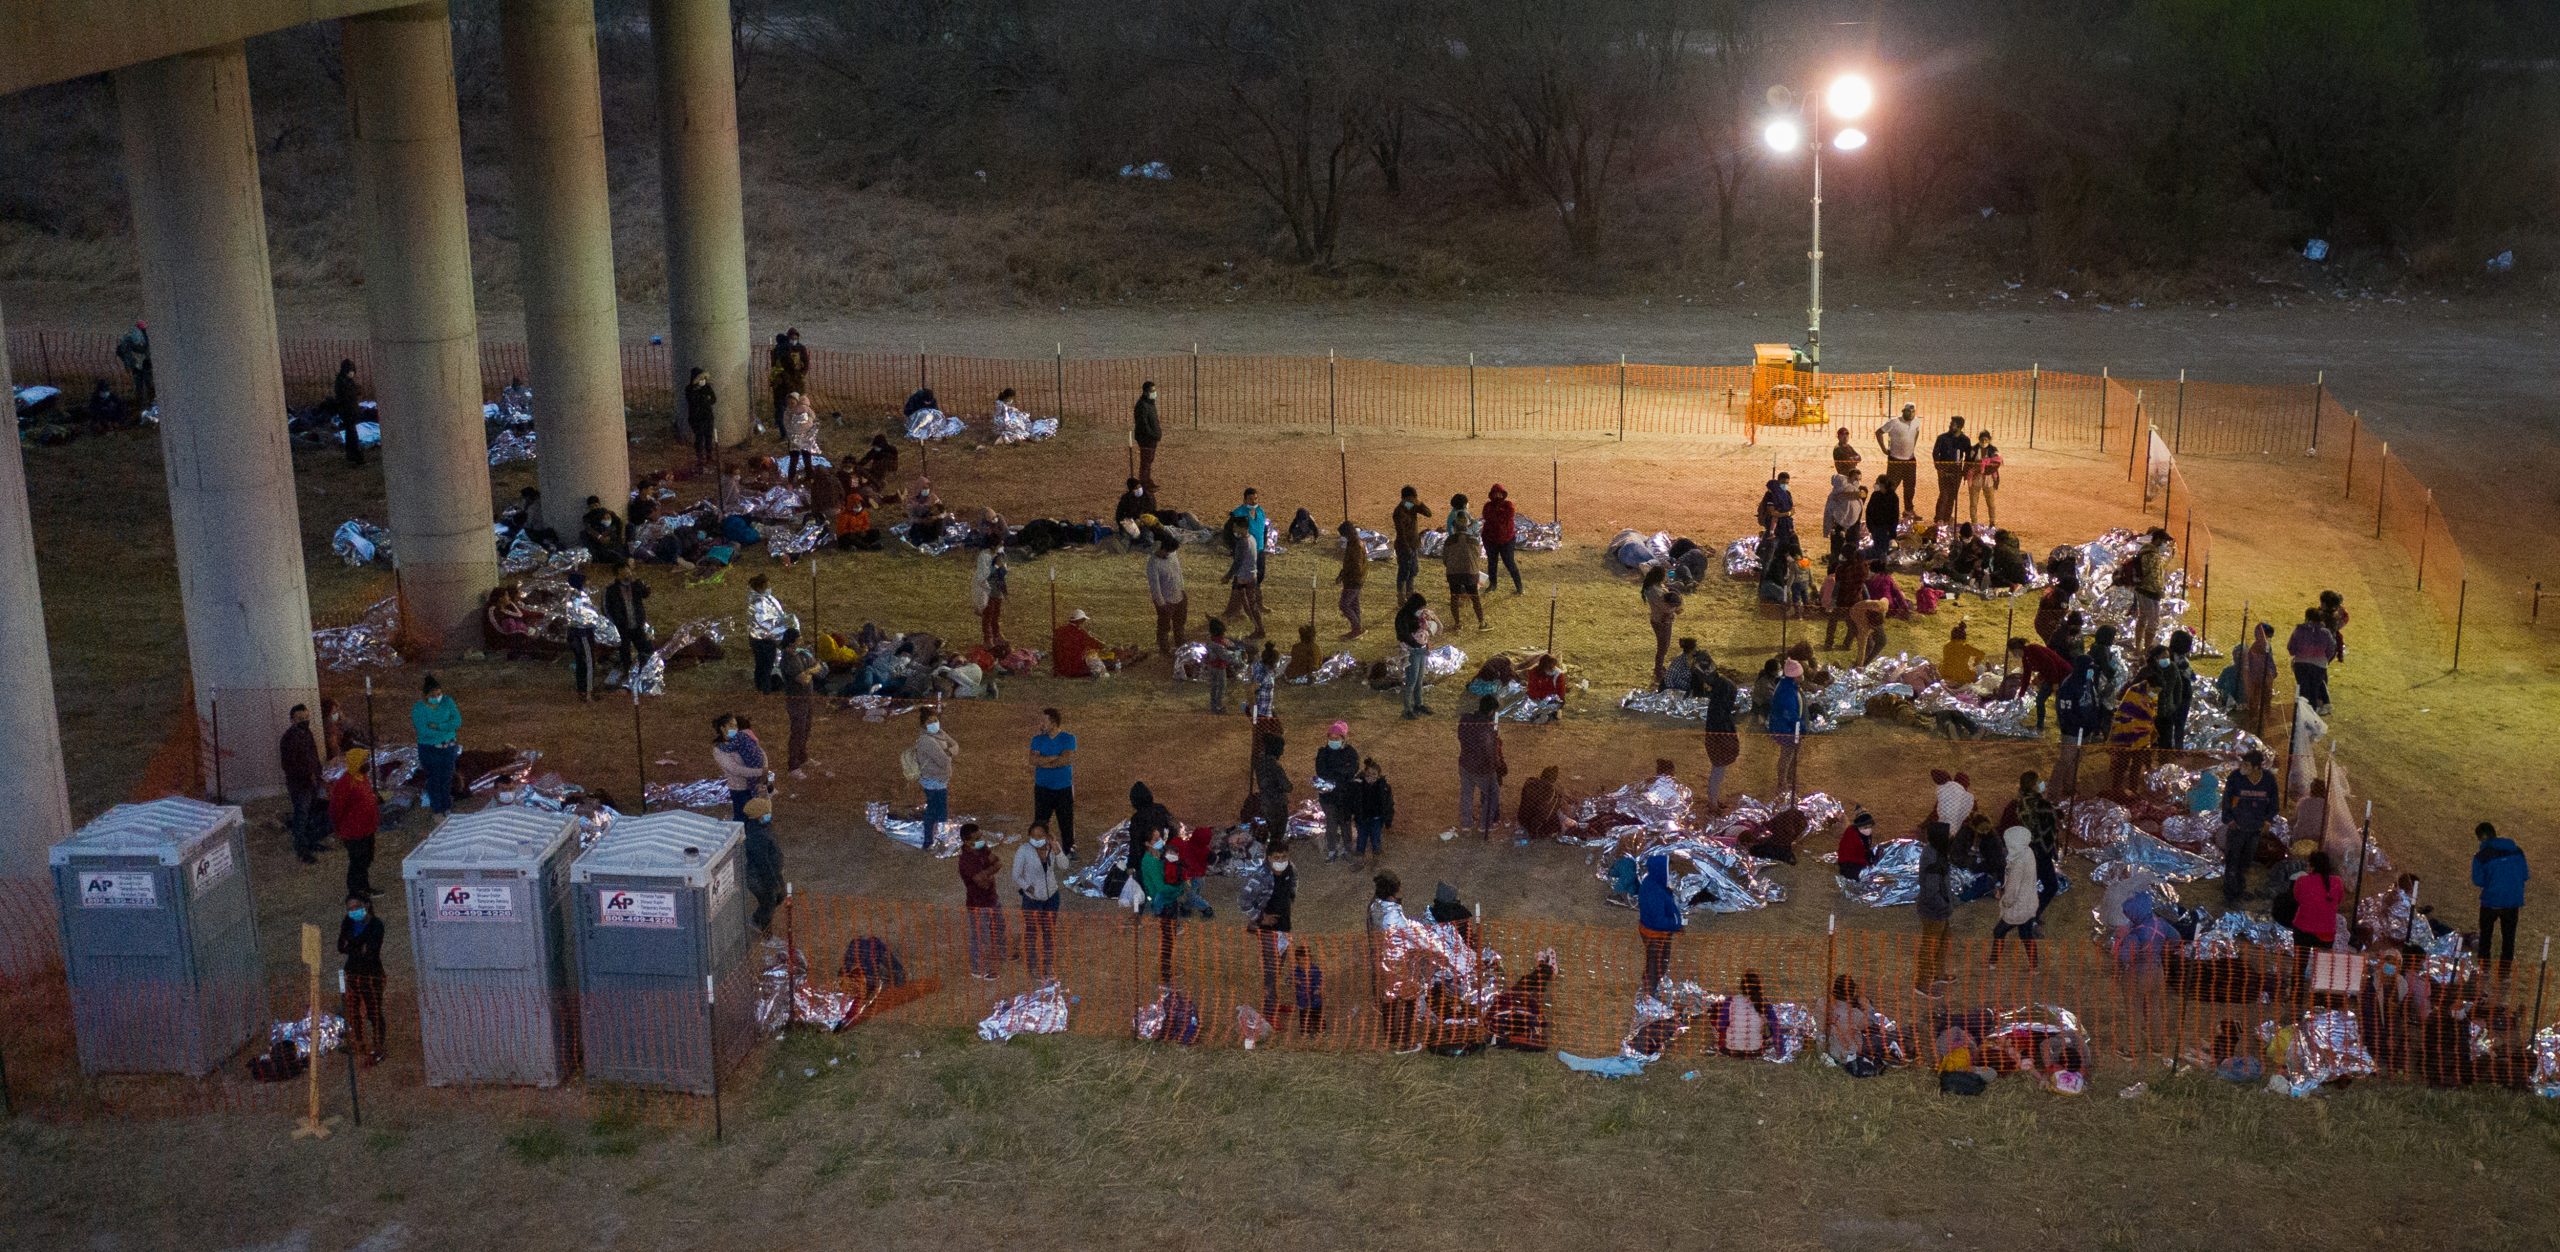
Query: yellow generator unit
[{"x": 1781, "y": 393}]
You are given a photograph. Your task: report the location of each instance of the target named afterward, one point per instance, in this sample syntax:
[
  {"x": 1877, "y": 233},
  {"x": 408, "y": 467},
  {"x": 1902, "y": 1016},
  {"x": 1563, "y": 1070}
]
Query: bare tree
[
  {"x": 1725, "y": 87},
  {"x": 1299, "y": 107},
  {"x": 1559, "y": 96}
]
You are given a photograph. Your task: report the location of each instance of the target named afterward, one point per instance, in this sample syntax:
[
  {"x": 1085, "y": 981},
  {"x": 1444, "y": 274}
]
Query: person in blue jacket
[
  {"x": 2499, "y": 871},
  {"x": 1786, "y": 724},
  {"x": 1659, "y": 917}
]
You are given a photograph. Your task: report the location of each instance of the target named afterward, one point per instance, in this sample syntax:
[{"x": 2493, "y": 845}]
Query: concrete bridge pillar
[
  {"x": 32, "y": 791},
  {"x": 407, "y": 140},
  {"x": 191, "y": 169},
  {"x": 564, "y": 255},
  {"x": 706, "y": 225}
]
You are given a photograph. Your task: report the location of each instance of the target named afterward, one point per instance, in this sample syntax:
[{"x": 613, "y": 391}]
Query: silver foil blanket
[
  {"x": 1013, "y": 426},
  {"x": 1087, "y": 879},
  {"x": 880, "y": 708},
  {"x": 785, "y": 994},
  {"x": 391, "y": 766},
  {"x": 909, "y": 830},
  {"x": 1662, "y": 1018},
  {"x": 1685, "y": 708},
  {"x": 1718, "y": 877},
  {"x": 767, "y": 619},
  {"x": 1632, "y": 550},
  {"x": 509, "y": 446},
  {"x": 929, "y": 424},
  {"x": 1893, "y": 878},
  {"x": 1742, "y": 558},
  {"x": 800, "y": 542},
  {"x": 952, "y": 540},
  {"x": 781, "y": 503},
  {"x": 1517, "y": 707},
  {"x": 2327, "y": 1045},
  {"x": 577, "y": 609},
  {"x": 1042, "y": 1011},
  {"x": 526, "y": 558},
  {"x": 2103, "y": 603},
  {"x": 366, "y": 644},
  {"x": 1332, "y": 667},
  {"x": 357, "y": 541},
  {"x": 1437, "y": 663},
  {"x": 652, "y": 678},
  {"x": 2221, "y": 937},
  {"x": 1171, "y": 1017},
  {"x": 514, "y": 407},
  {"x": 704, "y": 793},
  {"x": 1433, "y": 964},
  {"x": 299, "y": 1031},
  {"x": 509, "y": 776}
]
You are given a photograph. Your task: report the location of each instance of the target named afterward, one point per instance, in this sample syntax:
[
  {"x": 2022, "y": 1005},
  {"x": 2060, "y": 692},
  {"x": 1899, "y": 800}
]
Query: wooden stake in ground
[
  {"x": 1342, "y": 452},
  {"x": 1053, "y": 601},
  {"x": 1311, "y": 600},
  {"x": 639, "y": 753},
  {"x": 313, "y": 1126},
  {"x": 1551, "y": 620}
]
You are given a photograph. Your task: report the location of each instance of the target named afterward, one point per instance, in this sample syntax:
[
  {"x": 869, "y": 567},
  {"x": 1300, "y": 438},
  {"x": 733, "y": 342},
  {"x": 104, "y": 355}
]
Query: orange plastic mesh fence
[{"x": 657, "y": 1055}]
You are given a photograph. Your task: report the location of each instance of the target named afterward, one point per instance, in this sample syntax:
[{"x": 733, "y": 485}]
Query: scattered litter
[
  {"x": 2502, "y": 262},
  {"x": 2316, "y": 250},
  {"x": 1155, "y": 170}
]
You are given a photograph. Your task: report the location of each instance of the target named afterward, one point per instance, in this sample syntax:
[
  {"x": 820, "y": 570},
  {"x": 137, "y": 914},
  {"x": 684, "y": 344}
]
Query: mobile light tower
[{"x": 1847, "y": 98}]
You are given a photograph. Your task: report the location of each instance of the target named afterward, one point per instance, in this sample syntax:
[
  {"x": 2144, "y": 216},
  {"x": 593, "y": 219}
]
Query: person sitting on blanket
[
  {"x": 508, "y": 615},
  {"x": 1545, "y": 679},
  {"x": 1075, "y": 653}
]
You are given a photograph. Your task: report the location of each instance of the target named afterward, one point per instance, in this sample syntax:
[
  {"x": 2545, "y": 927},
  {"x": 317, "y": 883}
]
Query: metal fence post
[
  {"x": 1471, "y": 395},
  {"x": 2382, "y": 492},
  {"x": 921, "y": 381},
  {"x": 2354, "y": 431},
  {"x": 1195, "y": 384},
  {"x": 44, "y": 360},
  {"x": 1622, "y": 397},
  {"x": 2461, "y": 601},
  {"x": 2178, "y": 429},
  {"x": 1888, "y": 391},
  {"x": 2035, "y": 384},
  {"x": 1059, "y": 356},
  {"x": 2425, "y": 515},
  {"x": 2103, "y": 379},
  {"x": 2319, "y": 396},
  {"x": 1332, "y": 392},
  {"x": 215, "y": 702}
]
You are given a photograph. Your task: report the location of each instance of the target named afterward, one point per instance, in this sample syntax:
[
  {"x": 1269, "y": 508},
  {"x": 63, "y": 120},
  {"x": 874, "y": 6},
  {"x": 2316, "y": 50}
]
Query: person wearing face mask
[
  {"x": 1271, "y": 924},
  {"x": 933, "y": 753},
  {"x": 1337, "y": 764},
  {"x": 1164, "y": 899},
  {"x": 764, "y": 862},
  {"x": 978, "y": 894},
  {"x": 740, "y": 760},
  {"x": 438, "y": 723},
  {"x": 360, "y": 941},
  {"x": 1035, "y": 879}
]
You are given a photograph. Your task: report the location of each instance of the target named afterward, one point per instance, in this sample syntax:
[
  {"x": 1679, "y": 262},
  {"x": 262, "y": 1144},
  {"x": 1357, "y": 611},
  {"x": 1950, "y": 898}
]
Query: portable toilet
[
  {"x": 666, "y": 982},
  {"x": 160, "y": 938},
  {"x": 488, "y": 920}
]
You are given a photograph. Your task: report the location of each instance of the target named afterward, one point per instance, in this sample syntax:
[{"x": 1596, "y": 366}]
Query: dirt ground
[{"x": 943, "y": 1125}]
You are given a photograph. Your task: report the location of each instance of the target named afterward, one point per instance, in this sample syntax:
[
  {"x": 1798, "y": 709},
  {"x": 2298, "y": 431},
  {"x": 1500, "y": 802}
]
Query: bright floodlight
[
  {"x": 1850, "y": 139},
  {"x": 1783, "y": 135},
  {"x": 1851, "y": 95}
]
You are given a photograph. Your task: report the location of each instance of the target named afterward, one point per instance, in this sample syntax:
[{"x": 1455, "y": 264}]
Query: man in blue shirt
[
  {"x": 1053, "y": 780},
  {"x": 2498, "y": 870},
  {"x": 1258, "y": 522}
]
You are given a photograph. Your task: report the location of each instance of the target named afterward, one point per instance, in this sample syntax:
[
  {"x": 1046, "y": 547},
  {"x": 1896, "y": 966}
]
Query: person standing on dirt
[
  {"x": 1271, "y": 919},
  {"x": 1258, "y": 524},
  {"x": 1165, "y": 591},
  {"x": 1501, "y": 536},
  {"x": 1661, "y": 610},
  {"x": 1353, "y": 574},
  {"x": 1410, "y": 513},
  {"x": 800, "y": 670},
  {"x": 347, "y": 399},
  {"x": 790, "y": 372},
  {"x": 1884, "y": 520},
  {"x": 1936, "y": 903},
  {"x": 2312, "y": 647},
  {"x": 1659, "y": 918},
  {"x": 355, "y": 814},
  {"x": 1844, "y": 455},
  {"x": 626, "y": 605},
  {"x": 360, "y": 935},
  {"x": 1146, "y": 431},
  {"x": 2173, "y": 682},
  {"x": 701, "y": 416},
  {"x": 2251, "y": 798},
  {"x": 1786, "y": 724},
  {"x": 933, "y": 753},
  {"x": 1244, "y": 574},
  {"x": 978, "y": 895},
  {"x": 1413, "y": 633},
  {"x": 1460, "y": 558},
  {"x": 2020, "y": 900},
  {"x": 1951, "y": 456},
  {"x": 1053, "y": 779},
  {"x": 437, "y": 721},
  {"x": 299, "y": 753},
  {"x": 763, "y": 857},
  {"x": 134, "y": 353},
  {"x": 1724, "y": 742},
  {"x": 1337, "y": 767},
  {"x": 2498, "y": 869},
  {"x": 1480, "y": 769},
  {"x": 1899, "y": 438}
]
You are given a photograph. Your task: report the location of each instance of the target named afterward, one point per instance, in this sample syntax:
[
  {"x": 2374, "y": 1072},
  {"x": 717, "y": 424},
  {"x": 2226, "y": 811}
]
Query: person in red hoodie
[
  {"x": 1190, "y": 864},
  {"x": 1857, "y": 846},
  {"x": 355, "y": 814},
  {"x": 1501, "y": 534},
  {"x": 2033, "y": 666}
]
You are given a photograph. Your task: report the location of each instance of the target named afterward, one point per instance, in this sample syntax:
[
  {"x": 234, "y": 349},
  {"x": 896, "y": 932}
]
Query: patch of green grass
[{"x": 539, "y": 1144}]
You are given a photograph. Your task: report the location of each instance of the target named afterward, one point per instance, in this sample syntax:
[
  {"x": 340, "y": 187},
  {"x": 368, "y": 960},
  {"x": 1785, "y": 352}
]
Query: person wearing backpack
[
  {"x": 2139, "y": 946},
  {"x": 2498, "y": 869}
]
